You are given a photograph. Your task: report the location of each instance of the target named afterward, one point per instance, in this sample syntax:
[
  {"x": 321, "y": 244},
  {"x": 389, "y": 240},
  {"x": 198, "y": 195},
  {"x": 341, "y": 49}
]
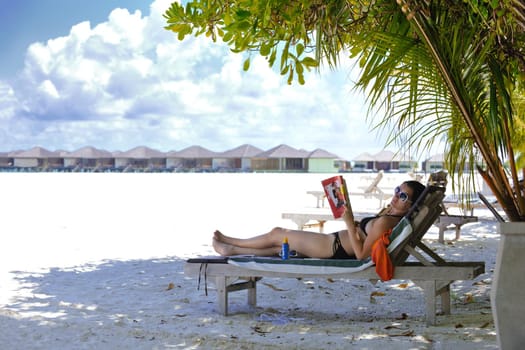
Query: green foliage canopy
[{"x": 437, "y": 69}]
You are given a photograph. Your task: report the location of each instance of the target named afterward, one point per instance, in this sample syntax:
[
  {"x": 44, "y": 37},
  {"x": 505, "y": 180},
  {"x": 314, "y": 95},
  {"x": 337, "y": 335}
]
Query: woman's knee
[{"x": 276, "y": 231}]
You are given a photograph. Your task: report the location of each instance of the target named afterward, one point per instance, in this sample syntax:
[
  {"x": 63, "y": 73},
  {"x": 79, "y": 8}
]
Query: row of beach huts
[{"x": 245, "y": 158}]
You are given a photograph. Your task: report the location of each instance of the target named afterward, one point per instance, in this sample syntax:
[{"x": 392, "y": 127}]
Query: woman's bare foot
[
  {"x": 222, "y": 248},
  {"x": 226, "y": 249},
  {"x": 218, "y": 235},
  {"x": 221, "y": 237}
]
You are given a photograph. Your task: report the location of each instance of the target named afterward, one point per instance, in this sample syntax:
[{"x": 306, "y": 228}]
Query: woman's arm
[
  {"x": 363, "y": 248},
  {"x": 353, "y": 233}
]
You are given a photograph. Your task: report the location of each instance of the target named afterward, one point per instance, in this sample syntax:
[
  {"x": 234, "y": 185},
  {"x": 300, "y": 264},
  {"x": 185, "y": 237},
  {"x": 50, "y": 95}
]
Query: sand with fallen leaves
[{"x": 96, "y": 261}]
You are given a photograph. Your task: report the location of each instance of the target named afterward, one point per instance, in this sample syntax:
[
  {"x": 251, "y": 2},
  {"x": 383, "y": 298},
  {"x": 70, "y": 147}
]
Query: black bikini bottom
[{"x": 338, "y": 251}]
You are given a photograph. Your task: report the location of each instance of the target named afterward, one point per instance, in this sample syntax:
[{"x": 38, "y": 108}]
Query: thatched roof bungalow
[
  {"x": 239, "y": 158},
  {"x": 140, "y": 158},
  {"x": 281, "y": 158},
  {"x": 363, "y": 162},
  {"x": 321, "y": 161},
  {"x": 434, "y": 163},
  {"x": 38, "y": 157},
  {"x": 384, "y": 160},
  {"x": 89, "y": 158},
  {"x": 191, "y": 158},
  {"x": 437, "y": 163},
  {"x": 5, "y": 160}
]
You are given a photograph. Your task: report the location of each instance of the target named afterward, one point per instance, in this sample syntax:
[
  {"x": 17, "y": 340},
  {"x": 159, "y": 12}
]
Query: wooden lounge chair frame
[{"x": 428, "y": 270}]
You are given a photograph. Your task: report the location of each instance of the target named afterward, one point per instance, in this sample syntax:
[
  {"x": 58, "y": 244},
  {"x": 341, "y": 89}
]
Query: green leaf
[
  {"x": 299, "y": 68},
  {"x": 309, "y": 62},
  {"x": 284, "y": 54},
  {"x": 227, "y": 37},
  {"x": 299, "y": 48},
  {"x": 242, "y": 14},
  {"x": 246, "y": 64},
  {"x": 272, "y": 58},
  {"x": 301, "y": 79},
  {"x": 265, "y": 49},
  {"x": 243, "y": 26},
  {"x": 177, "y": 27}
]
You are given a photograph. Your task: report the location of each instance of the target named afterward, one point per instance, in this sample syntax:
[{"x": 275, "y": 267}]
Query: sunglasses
[{"x": 403, "y": 196}]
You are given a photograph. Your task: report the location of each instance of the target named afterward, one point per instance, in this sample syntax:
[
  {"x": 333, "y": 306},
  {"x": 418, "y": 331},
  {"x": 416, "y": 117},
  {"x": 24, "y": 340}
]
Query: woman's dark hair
[{"x": 417, "y": 189}]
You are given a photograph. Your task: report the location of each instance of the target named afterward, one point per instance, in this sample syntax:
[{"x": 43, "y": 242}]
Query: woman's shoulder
[
  {"x": 389, "y": 217},
  {"x": 387, "y": 221}
]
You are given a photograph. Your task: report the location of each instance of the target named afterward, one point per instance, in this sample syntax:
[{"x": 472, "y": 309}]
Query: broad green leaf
[
  {"x": 301, "y": 79},
  {"x": 299, "y": 68},
  {"x": 265, "y": 49},
  {"x": 309, "y": 62},
  {"x": 299, "y": 49},
  {"x": 272, "y": 58},
  {"x": 290, "y": 77},
  {"x": 227, "y": 37},
  {"x": 243, "y": 26},
  {"x": 242, "y": 14}
]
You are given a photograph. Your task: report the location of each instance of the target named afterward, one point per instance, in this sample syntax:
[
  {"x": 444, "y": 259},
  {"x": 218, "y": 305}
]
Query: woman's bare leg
[
  {"x": 311, "y": 244},
  {"x": 273, "y": 238},
  {"x": 226, "y": 249}
]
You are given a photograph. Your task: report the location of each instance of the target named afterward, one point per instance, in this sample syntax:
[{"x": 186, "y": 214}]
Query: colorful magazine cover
[{"x": 336, "y": 194}]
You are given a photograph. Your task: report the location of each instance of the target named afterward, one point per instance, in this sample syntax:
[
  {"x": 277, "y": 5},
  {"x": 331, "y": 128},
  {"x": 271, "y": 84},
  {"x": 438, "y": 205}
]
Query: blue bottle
[{"x": 285, "y": 249}]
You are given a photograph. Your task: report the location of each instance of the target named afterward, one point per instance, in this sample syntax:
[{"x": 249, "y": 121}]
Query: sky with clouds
[{"x": 107, "y": 74}]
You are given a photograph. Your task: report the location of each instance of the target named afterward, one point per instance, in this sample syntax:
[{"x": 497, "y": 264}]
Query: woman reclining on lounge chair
[{"x": 353, "y": 243}]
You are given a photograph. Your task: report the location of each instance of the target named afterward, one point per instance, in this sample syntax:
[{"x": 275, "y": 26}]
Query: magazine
[{"x": 337, "y": 194}]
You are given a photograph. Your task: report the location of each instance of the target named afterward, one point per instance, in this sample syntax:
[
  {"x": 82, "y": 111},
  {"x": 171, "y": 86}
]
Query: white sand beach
[{"x": 95, "y": 261}]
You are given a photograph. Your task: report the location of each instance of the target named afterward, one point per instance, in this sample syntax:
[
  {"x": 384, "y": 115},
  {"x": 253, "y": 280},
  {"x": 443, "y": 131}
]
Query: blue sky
[
  {"x": 106, "y": 74},
  {"x": 23, "y": 22}
]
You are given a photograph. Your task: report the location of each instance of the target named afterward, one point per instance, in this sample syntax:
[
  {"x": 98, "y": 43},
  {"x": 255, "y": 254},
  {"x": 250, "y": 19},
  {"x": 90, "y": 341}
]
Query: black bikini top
[{"x": 365, "y": 221}]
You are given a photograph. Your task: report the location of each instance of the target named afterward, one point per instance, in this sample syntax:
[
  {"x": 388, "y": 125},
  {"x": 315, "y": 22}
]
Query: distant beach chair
[
  {"x": 431, "y": 272},
  {"x": 304, "y": 218},
  {"x": 446, "y": 220},
  {"x": 373, "y": 190},
  {"x": 417, "y": 177},
  {"x": 466, "y": 203},
  {"x": 308, "y": 219},
  {"x": 312, "y": 218},
  {"x": 320, "y": 197}
]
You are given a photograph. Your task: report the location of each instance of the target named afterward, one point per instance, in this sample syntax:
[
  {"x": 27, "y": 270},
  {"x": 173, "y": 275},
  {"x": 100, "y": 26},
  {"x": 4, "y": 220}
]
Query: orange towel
[{"x": 380, "y": 256}]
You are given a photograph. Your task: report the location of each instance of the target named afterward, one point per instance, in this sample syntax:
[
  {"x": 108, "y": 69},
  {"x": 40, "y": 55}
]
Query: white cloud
[
  {"x": 48, "y": 89},
  {"x": 129, "y": 82}
]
